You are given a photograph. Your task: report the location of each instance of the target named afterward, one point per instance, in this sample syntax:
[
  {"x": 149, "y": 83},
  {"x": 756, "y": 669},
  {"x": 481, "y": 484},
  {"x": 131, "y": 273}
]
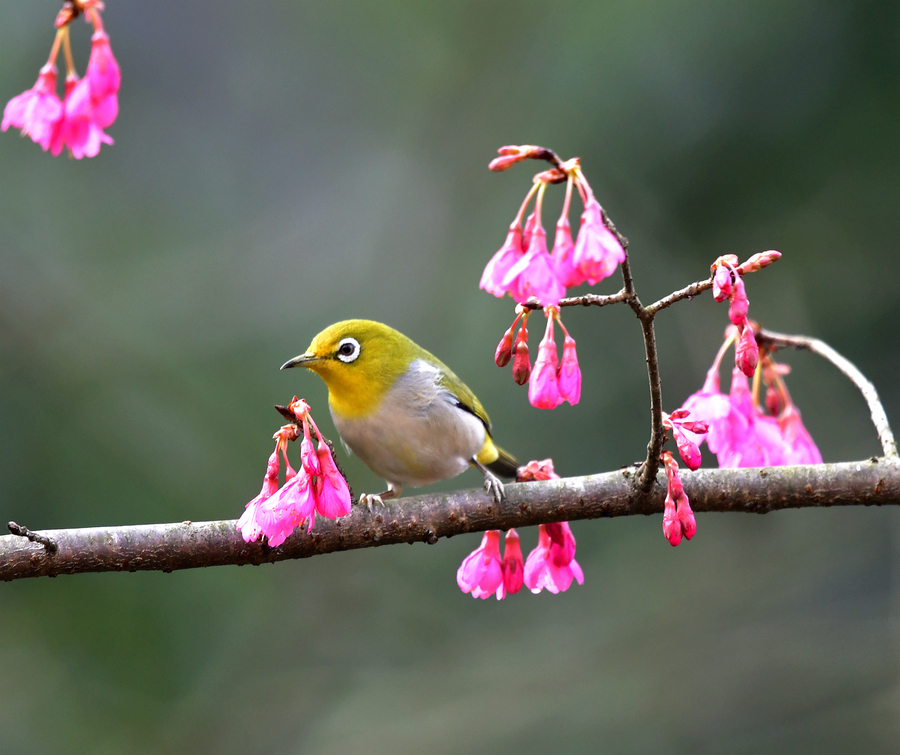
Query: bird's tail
[{"x": 505, "y": 465}]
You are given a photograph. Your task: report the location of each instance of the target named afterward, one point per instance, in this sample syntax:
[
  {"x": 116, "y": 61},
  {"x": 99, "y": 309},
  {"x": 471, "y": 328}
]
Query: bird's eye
[{"x": 348, "y": 349}]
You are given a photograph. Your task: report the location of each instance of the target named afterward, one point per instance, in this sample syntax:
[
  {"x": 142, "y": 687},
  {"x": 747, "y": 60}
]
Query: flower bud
[
  {"x": 504, "y": 349},
  {"x": 746, "y": 353},
  {"x": 521, "y": 363}
]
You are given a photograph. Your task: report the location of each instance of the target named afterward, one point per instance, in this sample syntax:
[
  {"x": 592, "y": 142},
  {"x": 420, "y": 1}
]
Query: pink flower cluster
[
  {"x": 524, "y": 268},
  {"x": 317, "y": 488},
  {"x": 550, "y": 565},
  {"x": 678, "y": 518},
  {"x": 91, "y": 104},
  {"x": 483, "y": 573},
  {"x": 552, "y": 381},
  {"x": 740, "y": 433},
  {"x": 728, "y": 284}
]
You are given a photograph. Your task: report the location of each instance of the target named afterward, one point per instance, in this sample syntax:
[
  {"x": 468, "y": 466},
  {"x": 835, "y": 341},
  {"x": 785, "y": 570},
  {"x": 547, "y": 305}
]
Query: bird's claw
[
  {"x": 494, "y": 487},
  {"x": 370, "y": 501}
]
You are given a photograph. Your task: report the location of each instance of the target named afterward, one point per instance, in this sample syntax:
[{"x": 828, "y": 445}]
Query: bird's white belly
[{"x": 418, "y": 435}]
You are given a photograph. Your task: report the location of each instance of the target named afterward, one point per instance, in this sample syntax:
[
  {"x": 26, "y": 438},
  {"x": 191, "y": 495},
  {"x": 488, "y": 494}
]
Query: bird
[{"x": 401, "y": 410}]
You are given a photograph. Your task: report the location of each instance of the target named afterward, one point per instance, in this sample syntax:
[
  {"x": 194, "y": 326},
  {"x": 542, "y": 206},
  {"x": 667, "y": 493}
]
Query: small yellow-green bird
[{"x": 402, "y": 410}]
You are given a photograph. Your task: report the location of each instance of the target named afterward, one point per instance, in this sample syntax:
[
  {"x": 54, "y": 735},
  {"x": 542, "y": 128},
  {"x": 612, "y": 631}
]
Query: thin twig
[
  {"x": 34, "y": 537},
  {"x": 187, "y": 545},
  {"x": 688, "y": 292},
  {"x": 587, "y": 300},
  {"x": 879, "y": 417}
]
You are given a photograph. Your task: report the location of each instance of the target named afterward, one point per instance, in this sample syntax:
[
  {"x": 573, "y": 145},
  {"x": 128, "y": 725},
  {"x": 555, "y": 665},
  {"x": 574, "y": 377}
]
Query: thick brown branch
[{"x": 167, "y": 547}]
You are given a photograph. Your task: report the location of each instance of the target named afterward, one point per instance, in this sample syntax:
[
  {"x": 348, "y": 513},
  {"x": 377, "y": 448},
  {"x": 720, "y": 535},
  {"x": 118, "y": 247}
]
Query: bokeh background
[{"x": 282, "y": 165}]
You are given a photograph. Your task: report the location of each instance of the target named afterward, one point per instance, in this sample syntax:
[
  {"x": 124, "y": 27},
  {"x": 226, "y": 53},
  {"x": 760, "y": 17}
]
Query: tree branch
[
  {"x": 187, "y": 545},
  {"x": 879, "y": 417}
]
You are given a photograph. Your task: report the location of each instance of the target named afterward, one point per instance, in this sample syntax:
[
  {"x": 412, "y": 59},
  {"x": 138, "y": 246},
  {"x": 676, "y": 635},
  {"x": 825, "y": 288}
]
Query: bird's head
[{"x": 359, "y": 360}]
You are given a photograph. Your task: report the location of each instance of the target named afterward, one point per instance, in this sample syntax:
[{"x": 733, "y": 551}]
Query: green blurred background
[{"x": 282, "y": 165}]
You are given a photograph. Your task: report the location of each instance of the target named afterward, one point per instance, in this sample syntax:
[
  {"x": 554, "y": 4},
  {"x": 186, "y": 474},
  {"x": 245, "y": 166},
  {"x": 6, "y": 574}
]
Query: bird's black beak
[{"x": 300, "y": 361}]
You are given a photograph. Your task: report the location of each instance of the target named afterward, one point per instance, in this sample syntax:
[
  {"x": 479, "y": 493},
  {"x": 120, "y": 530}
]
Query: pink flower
[
  {"x": 552, "y": 563},
  {"x": 308, "y": 457},
  {"x": 563, "y": 256},
  {"x": 318, "y": 487},
  {"x": 36, "y": 111},
  {"x": 104, "y": 79},
  {"x": 801, "y": 447},
  {"x": 247, "y": 524},
  {"x": 543, "y": 387},
  {"x": 332, "y": 493},
  {"x": 597, "y": 250},
  {"x": 537, "y": 470},
  {"x": 534, "y": 273},
  {"x": 761, "y": 444},
  {"x": 562, "y": 543},
  {"x": 481, "y": 573},
  {"x": 569, "y": 373},
  {"x": 513, "y": 567},
  {"x": 726, "y": 425},
  {"x": 78, "y": 130},
  {"x": 290, "y": 507},
  {"x": 530, "y": 222},
  {"x": 502, "y": 261}
]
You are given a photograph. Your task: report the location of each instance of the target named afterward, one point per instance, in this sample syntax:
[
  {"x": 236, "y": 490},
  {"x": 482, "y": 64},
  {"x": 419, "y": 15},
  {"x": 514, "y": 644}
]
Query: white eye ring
[{"x": 348, "y": 350}]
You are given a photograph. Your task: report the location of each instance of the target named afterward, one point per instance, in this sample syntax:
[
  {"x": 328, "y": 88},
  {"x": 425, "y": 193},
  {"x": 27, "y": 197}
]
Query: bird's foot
[
  {"x": 370, "y": 501},
  {"x": 492, "y": 483},
  {"x": 493, "y": 486}
]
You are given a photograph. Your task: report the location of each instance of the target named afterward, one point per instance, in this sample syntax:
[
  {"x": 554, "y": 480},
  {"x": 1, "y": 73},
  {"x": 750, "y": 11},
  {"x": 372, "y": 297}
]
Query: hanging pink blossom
[
  {"x": 90, "y": 104},
  {"x": 597, "y": 250},
  {"x": 481, "y": 573},
  {"x": 332, "y": 493},
  {"x": 502, "y": 261},
  {"x": 569, "y": 373},
  {"x": 513, "y": 566},
  {"x": 534, "y": 274},
  {"x": 37, "y": 111},
  {"x": 316, "y": 488},
  {"x": 543, "y": 387},
  {"x": 247, "y": 524},
  {"x": 104, "y": 78},
  {"x": 552, "y": 565},
  {"x": 802, "y": 448},
  {"x": 564, "y": 254}
]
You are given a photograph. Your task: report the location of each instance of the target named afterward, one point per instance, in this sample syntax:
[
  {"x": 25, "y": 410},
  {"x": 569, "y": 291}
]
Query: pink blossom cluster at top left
[
  {"x": 523, "y": 267},
  {"x": 90, "y": 104}
]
